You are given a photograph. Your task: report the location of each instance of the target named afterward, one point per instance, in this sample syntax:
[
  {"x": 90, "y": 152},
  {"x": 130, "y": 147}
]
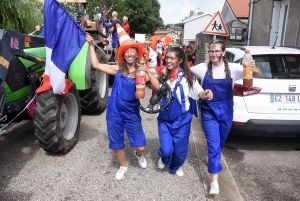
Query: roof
[
  {"x": 240, "y": 8},
  {"x": 161, "y": 33},
  {"x": 195, "y": 17}
]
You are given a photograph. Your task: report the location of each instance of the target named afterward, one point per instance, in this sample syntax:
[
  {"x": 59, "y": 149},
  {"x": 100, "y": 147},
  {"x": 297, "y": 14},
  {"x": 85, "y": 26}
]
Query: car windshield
[{"x": 278, "y": 66}]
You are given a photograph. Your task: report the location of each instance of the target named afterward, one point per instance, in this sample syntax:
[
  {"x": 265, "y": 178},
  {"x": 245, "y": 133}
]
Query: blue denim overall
[
  {"x": 123, "y": 113},
  {"x": 174, "y": 125},
  {"x": 216, "y": 115}
]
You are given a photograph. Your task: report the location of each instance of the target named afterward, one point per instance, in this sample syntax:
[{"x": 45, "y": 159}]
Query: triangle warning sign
[{"x": 216, "y": 26}]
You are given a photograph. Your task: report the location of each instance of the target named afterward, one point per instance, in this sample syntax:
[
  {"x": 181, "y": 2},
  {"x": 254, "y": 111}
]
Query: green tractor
[{"x": 56, "y": 118}]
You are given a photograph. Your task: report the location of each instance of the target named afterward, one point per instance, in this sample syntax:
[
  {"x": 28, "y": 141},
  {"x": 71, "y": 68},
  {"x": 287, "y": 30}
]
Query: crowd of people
[{"x": 176, "y": 66}]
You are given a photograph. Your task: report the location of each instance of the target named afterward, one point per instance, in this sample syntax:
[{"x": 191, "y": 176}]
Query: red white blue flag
[{"x": 63, "y": 39}]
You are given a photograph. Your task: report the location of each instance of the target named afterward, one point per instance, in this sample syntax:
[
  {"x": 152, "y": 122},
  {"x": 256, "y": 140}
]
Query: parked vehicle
[
  {"x": 275, "y": 109},
  {"x": 56, "y": 118}
]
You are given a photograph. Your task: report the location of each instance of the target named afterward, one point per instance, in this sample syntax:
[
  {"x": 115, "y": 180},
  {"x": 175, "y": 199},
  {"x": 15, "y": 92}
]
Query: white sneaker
[
  {"x": 142, "y": 161},
  {"x": 179, "y": 172},
  {"x": 214, "y": 188},
  {"x": 161, "y": 164},
  {"x": 121, "y": 172}
]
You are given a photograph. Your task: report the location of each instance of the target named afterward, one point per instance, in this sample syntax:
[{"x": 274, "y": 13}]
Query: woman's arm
[
  {"x": 106, "y": 68},
  {"x": 203, "y": 94}
]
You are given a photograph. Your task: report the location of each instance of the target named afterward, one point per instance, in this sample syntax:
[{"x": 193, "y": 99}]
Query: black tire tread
[{"x": 46, "y": 122}]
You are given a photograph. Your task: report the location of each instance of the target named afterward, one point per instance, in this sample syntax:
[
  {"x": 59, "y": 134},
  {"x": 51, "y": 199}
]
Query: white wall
[
  {"x": 238, "y": 23},
  {"x": 195, "y": 26}
]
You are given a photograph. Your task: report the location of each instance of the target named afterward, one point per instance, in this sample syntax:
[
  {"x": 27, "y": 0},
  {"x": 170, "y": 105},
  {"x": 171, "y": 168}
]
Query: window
[
  {"x": 278, "y": 66},
  {"x": 229, "y": 56}
]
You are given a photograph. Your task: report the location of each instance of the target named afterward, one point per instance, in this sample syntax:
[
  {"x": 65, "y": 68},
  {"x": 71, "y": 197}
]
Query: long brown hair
[
  {"x": 187, "y": 73},
  {"x": 209, "y": 66}
]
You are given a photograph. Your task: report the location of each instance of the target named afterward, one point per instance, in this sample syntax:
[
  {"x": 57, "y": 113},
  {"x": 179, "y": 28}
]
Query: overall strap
[{"x": 182, "y": 97}]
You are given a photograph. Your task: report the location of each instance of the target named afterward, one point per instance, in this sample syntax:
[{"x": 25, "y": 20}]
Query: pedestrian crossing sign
[{"x": 216, "y": 26}]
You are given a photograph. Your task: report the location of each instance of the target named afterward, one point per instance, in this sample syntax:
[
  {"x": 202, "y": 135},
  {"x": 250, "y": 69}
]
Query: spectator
[
  {"x": 195, "y": 52},
  {"x": 115, "y": 40},
  {"x": 125, "y": 25},
  {"x": 190, "y": 55},
  {"x": 103, "y": 15},
  {"x": 184, "y": 48}
]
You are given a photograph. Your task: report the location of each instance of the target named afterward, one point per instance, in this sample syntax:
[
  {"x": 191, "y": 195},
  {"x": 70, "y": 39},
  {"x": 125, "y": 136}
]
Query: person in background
[
  {"x": 115, "y": 40},
  {"x": 123, "y": 113},
  {"x": 190, "y": 55},
  {"x": 125, "y": 25},
  {"x": 184, "y": 48},
  {"x": 174, "y": 122},
  {"x": 103, "y": 15},
  {"x": 217, "y": 114},
  {"x": 195, "y": 51}
]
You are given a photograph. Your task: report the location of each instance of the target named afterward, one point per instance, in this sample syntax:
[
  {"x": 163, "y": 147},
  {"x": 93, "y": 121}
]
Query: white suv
[{"x": 275, "y": 109}]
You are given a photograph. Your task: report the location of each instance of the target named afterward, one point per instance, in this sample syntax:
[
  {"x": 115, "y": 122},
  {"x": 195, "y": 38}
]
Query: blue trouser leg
[
  {"x": 181, "y": 143},
  {"x": 174, "y": 140},
  {"x": 166, "y": 143},
  {"x": 224, "y": 131},
  {"x": 212, "y": 133}
]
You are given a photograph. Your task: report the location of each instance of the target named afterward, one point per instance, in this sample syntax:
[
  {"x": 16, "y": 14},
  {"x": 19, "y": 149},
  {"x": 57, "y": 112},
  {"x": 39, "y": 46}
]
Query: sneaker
[
  {"x": 161, "y": 164},
  {"x": 214, "y": 188},
  {"x": 179, "y": 172},
  {"x": 121, "y": 172},
  {"x": 142, "y": 161}
]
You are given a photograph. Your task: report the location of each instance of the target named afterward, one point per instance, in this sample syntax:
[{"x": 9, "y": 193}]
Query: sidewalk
[{"x": 228, "y": 188}]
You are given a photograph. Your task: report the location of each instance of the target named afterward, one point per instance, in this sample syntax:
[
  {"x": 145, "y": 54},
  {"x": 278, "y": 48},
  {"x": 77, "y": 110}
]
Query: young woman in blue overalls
[
  {"x": 122, "y": 108},
  {"x": 217, "y": 114},
  {"x": 174, "y": 122}
]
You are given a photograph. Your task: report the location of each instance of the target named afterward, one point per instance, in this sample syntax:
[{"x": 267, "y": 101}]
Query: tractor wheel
[
  {"x": 93, "y": 100},
  {"x": 57, "y": 120}
]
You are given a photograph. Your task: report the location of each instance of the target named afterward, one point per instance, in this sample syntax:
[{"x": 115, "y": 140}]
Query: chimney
[{"x": 191, "y": 13}]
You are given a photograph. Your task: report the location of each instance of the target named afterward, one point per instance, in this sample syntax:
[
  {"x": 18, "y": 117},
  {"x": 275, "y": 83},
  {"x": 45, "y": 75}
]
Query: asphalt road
[
  {"x": 88, "y": 171},
  {"x": 265, "y": 168},
  {"x": 254, "y": 168}
]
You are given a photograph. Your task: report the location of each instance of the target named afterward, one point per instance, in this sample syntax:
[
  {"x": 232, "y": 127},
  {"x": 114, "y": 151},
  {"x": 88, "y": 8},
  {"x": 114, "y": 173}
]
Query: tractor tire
[
  {"x": 93, "y": 100},
  {"x": 57, "y": 120}
]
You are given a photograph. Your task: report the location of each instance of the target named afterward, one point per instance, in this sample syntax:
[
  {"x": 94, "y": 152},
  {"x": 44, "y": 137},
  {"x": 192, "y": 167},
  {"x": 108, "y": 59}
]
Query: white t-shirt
[
  {"x": 193, "y": 92},
  {"x": 219, "y": 72}
]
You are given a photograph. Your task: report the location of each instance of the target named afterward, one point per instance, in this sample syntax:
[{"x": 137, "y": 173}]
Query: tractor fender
[{"x": 80, "y": 69}]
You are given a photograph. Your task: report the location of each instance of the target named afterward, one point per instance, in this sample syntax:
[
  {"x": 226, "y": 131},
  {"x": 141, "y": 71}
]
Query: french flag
[{"x": 63, "y": 39}]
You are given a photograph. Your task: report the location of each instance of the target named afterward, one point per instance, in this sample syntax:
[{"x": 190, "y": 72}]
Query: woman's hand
[
  {"x": 256, "y": 71},
  {"x": 89, "y": 39},
  {"x": 143, "y": 67},
  {"x": 207, "y": 94}
]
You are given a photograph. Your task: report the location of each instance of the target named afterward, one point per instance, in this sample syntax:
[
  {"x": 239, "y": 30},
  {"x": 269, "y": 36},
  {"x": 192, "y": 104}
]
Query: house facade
[
  {"x": 173, "y": 32},
  {"x": 274, "y": 22},
  {"x": 194, "y": 25},
  {"x": 235, "y": 14}
]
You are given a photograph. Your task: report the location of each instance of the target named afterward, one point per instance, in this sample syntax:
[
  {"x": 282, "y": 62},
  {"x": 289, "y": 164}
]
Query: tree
[
  {"x": 20, "y": 15},
  {"x": 143, "y": 15}
]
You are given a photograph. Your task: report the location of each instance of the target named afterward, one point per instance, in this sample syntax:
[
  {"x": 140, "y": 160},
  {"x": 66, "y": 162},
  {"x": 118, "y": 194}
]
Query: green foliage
[
  {"x": 143, "y": 15},
  {"x": 20, "y": 15}
]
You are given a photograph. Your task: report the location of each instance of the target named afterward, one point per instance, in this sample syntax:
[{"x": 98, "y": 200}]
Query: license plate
[{"x": 285, "y": 98}]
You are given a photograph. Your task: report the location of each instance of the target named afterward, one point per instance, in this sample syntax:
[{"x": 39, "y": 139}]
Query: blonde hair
[
  {"x": 114, "y": 14},
  {"x": 125, "y": 18}
]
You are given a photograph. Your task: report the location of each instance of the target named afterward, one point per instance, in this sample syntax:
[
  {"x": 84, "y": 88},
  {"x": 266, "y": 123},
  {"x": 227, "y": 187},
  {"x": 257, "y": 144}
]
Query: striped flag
[{"x": 63, "y": 39}]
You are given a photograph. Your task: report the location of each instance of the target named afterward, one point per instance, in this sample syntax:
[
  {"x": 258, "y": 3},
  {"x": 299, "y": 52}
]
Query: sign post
[{"x": 216, "y": 26}]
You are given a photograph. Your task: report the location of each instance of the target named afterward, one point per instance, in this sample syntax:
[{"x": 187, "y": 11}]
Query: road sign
[{"x": 216, "y": 26}]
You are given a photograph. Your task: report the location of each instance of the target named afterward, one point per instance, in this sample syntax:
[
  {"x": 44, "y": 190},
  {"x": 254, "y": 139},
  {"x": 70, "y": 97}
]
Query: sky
[{"x": 174, "y": 11}]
